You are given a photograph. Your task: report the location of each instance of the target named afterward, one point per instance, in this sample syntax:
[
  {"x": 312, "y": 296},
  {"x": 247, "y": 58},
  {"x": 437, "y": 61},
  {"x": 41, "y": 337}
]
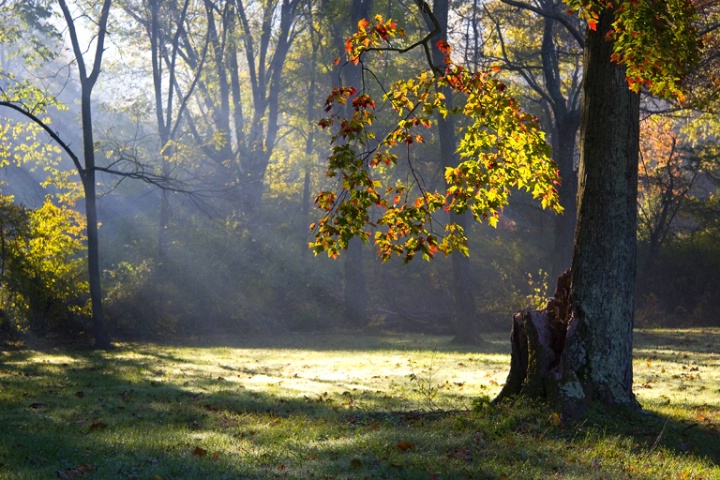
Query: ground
[{"x": 343, "y": 406}]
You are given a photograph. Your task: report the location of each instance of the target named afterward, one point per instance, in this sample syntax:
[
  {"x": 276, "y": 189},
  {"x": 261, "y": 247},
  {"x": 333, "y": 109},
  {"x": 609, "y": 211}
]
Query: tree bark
[
  {"x": 87, "y": 171},
  {"x": 589, "y": 359},
  {"x": 604, "y": 259},
  {"x": 356, "y": 295},
  {"x": 465, "y": 322}
]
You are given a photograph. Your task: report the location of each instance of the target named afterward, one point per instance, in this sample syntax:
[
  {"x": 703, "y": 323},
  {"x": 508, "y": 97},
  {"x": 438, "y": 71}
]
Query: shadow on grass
[
  {"x": 696, "y": 340},
  {"x": 353, "y": 341},
  {"x": 115, "y": 416}
]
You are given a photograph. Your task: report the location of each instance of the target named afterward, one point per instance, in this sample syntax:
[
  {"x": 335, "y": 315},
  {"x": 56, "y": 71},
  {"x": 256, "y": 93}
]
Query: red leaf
[
  {"x": 592, "y": 24},
  {"x": 444, "y": 46}
]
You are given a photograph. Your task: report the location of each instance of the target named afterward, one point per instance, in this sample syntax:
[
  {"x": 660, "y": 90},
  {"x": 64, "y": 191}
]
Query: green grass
[{"x": 343, "y": 407}]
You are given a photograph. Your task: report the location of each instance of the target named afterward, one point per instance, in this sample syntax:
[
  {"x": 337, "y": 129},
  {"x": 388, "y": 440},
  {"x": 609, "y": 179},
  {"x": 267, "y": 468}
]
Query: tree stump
[{"x": 542, "y": 346}]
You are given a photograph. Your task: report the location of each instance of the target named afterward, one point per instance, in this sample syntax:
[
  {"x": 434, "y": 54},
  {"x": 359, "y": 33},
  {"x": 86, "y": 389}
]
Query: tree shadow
[{"x": 695, "y": 340}]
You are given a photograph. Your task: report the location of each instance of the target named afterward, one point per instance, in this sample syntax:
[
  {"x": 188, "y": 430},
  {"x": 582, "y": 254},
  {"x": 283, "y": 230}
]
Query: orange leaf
[{"x": 592, "y": 24}]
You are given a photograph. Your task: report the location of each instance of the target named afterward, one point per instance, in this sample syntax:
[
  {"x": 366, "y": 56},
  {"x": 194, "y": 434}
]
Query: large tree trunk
[{"x": 578, "y": 352}]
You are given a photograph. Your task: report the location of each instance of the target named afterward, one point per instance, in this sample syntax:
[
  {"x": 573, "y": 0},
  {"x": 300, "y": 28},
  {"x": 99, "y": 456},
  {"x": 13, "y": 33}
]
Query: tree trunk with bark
[
  {"x": 87, "y": 171},
  {"x": 578, "y": 351},
  {"x": 465, "y": 323},
  {"x": 355, "y": 291}
]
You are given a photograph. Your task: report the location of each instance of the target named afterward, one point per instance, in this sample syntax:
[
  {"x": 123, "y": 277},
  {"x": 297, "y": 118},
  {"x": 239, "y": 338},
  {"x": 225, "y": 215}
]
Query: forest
[{"x": 183, "y": 178}]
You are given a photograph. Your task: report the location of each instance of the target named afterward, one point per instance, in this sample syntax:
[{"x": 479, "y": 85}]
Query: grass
[{"x": 343, "y": 407}]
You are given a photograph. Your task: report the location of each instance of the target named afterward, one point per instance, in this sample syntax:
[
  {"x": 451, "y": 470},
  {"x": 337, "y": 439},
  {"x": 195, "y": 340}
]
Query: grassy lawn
[{"x": 343, "y": 407}]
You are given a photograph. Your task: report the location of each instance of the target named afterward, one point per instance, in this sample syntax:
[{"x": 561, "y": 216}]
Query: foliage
[
  {"x": 501, "y": 147},
  {"x": 43, "y": 286},
  {"x": 26, "y": 25},
  {"x": 657, "y": 42},
  {"x": 289, "y": 406}
]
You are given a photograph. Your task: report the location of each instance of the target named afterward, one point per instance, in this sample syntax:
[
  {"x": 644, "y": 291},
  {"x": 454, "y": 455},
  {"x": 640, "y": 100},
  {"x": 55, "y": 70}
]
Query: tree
[
  {"x": 668, "y": 171},
  {"x": 165, "y": 24},
  {"x": 554, "y": 81},
  {"x": 466, "y": 326},
  {"x": 578, "y": 351},
  {"x": 236, "y": 130},
  {"x": 87, "y": 170}
]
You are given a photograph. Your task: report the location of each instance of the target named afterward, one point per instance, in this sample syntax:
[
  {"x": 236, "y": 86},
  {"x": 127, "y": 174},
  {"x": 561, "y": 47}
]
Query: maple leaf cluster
[{"x": 501, "y": 148}]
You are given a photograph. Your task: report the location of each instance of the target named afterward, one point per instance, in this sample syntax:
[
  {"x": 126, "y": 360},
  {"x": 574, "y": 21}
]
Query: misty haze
[{"x": 359, "y": 239}]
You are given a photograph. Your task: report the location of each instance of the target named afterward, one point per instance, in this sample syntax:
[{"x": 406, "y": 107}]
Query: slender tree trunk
[
  {"x": 566, "y": 120},
  {"x": 87, "y": 171},
  {"x": 578, "y": 350},
  {"x": 564, "y": 225},
  {"x": 465, "y": 323},
  {"x": 356, "y": 296},
  {"x": 102, "y": 337}
]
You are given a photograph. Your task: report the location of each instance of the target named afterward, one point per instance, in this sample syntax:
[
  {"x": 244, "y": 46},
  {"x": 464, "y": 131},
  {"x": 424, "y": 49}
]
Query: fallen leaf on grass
[
  {"x": 97, "y": 426},
  {"x": 355, "y": 463},
  {"x": 80, "y": 394},
  {"x": 404, "y": 445},
  {"x": 36, "y": 406},
  {"x": 125, "y": 396},
  {"x": 199, "y": 452},
  {"x": 78, "y": 471},
  {"x": 555, "y": 419}
]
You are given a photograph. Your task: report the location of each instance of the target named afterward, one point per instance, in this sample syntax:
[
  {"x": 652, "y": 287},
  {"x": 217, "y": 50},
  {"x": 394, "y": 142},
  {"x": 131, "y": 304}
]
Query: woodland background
[{"x": 205, "y": 119}]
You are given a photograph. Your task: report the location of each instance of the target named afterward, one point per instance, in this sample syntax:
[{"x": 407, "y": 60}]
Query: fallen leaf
[
  {"x": 199, "y": 452},
  {"x": 355, "y": 463},
  {"x": 97, "y": 426},
  {"x": 125, "y": 396},
  {"x": 78, "y": 471},
  {"x": 80, "y": 394},
  {"x": 36, "y": 406},
  {"x": 555, "y": 419},
  {"x": 404, "y": 445}
]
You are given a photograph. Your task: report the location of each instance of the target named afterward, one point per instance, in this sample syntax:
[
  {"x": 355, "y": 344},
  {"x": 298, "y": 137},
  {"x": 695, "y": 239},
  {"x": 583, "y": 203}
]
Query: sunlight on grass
[{"x": 331, "y": 406}]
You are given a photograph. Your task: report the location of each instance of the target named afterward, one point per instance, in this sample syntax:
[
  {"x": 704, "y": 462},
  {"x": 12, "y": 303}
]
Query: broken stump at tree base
[{"x": 544, "y": 343}]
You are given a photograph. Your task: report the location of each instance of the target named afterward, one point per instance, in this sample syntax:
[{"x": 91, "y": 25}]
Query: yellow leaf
[{"x": 555, "y": 419}]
